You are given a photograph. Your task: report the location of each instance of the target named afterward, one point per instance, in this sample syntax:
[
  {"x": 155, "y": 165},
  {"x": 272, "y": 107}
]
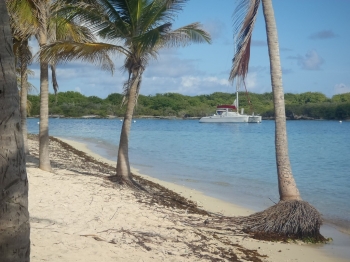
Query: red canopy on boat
[{"x": 226, "y": 106}]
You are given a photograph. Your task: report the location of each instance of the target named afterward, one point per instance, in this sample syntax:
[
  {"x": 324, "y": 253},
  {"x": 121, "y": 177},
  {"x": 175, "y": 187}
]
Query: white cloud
[
  {"x": 190, "y": 81},
  {"x": 173, "y": 74},
  {"x": 311, "y": 61},
  {"x": 170, "y": 73},
  {"x": 202, "y": 84},
  {"x": 251, "y": 81},
  {"x": 341, "y": 88},
  {"x": 187, "y": 85},
  {"x": 90, "y": 79}
]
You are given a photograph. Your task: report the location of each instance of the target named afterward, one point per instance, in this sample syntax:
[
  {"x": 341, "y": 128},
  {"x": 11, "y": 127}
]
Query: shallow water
[{"x": 234, "y": 162}]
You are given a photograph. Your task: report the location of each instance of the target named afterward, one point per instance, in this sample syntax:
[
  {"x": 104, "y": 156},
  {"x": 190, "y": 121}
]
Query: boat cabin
[{"x": 225, "y": 108}]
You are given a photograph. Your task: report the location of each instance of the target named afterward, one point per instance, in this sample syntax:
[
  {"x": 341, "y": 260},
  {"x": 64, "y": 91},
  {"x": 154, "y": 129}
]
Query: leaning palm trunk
[
  {"x": 14, "y": 217},
  {"x": 291, "y": 217},
  {"x": 286, "y": 183},
  {"x": 123, "y": 164}
]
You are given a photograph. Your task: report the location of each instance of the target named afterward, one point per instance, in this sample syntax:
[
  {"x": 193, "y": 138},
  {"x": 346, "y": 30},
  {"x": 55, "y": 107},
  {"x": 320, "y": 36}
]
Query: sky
[{"x": 314, "y": 40}]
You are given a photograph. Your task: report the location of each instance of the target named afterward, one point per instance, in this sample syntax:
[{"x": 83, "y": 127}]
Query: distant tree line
[{"x": 313, "y": 105}]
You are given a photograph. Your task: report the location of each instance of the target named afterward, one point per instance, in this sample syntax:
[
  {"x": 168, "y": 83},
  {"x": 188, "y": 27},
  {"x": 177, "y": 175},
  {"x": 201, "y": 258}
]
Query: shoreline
[
  {"x": 246, "y": 208},
  {"x": 337, "y": 249},
  {"x": 211, "y": 204}
]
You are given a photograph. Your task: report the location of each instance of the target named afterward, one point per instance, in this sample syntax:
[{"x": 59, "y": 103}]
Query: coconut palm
[
  {"x": 33, "y": 17},
  {"x": 51, "y": 28},
  {"x": 138, "y": 29},
  {"x": 291, "y": 216},
  {"x": 20, "y": 17},
  {"x": 14, "y": 217},
  {"x": 24, "y": 58}
]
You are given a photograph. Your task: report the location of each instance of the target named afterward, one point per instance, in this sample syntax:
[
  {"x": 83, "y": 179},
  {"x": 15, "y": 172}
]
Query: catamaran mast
[{"x": 237, "y": 102}]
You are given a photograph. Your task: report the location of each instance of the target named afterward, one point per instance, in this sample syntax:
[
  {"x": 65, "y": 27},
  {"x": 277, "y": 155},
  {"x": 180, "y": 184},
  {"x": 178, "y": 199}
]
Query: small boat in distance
[{"x": 230, "y": 114}]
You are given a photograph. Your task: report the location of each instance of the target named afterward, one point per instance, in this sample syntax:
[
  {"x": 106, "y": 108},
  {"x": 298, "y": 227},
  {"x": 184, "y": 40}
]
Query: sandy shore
[{"x": 77, "y": 214}]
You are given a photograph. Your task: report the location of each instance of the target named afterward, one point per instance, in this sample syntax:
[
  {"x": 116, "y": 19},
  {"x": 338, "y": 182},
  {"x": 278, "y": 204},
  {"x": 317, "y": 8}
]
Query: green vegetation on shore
[{"x": 309, "y": 105}]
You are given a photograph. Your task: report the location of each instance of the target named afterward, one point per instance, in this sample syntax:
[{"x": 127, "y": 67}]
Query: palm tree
[
  {"x": 42, "y": 11},
  {"x": 20, "y": 17},
  {"x": 33, "y": 17},
  {"x": 52, "y": 27},
  {"x": 14, "y": 216},
  {"x": 24, "y": 59},
  {"x": 33, "y": 14},
  {"x": 291, "y": 216},
  {"x": 143, "y": 27}
]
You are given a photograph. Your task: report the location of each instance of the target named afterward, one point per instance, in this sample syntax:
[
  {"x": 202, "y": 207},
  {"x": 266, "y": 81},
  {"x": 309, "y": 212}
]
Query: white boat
[{"x": 230, "y": 114}]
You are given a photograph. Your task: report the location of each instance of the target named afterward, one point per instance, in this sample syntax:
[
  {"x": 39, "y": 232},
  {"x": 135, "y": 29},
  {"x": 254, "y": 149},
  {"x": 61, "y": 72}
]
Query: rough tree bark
[
  {"x": 24, "y": 96},
  {"x": 14, "y": 216},
  {"x": 44, "y": 159},
  {"x": 123, "y": 164}
]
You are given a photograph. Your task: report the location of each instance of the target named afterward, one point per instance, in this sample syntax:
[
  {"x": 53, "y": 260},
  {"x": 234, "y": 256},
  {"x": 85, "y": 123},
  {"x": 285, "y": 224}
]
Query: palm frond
[
  {"x": 29, "y": 107},
  {"x": 150, "y": 39},
  {"x": 120, "y": 23},
  {"x": 192, "y": 33},
  {"x": 30, "y": 86},
  {"x": 157, "y": 13},
  {"x": 100, "y": 15},
  {"x": 54, "y": 78},
  {"x": 24, "y": 54},
  {"x": 23, "y": 17},
  {"x": 172, "y": 8},
  {"x": 63, "y": 29},
  {"x": 245, "y": 15},
  {"x": 41, "y": 9},
  {"x": 30, "y": 72},
  {"x": 96, "y": 53}
]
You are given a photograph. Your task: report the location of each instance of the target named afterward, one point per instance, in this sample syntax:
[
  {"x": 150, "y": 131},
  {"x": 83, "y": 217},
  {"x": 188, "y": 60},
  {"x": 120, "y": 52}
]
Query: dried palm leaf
[{"x": 245, "y": 16}]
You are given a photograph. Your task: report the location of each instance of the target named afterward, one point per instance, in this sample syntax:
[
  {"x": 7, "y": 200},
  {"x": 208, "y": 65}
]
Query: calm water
[{"x": 234, "y": 162}]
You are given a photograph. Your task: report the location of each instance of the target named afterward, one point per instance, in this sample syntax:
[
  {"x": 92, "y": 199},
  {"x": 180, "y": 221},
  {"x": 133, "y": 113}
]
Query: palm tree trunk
[
  {"x": 286, "y": 183},
  {"x": 44, "y": 159},
  {"x": 14, "y": 216},
  {"x": 24, "y": 98},
  {"x": 123, "y": 164}
]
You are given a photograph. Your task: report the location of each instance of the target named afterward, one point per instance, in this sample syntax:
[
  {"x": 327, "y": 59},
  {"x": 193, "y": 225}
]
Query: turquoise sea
[{"x": 234, "y": 162}]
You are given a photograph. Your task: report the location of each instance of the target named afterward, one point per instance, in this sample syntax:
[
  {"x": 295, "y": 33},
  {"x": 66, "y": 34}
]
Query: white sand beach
[{"x": 79, "y": 215}]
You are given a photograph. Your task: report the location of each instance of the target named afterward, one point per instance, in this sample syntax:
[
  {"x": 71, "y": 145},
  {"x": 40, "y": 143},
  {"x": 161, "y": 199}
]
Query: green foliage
[
  {"x": 35, "y": 108},
  {"x": 312, "y": 105},
  {"x": 341, "y": 98}
]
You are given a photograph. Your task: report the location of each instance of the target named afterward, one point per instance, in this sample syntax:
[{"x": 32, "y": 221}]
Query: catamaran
[{"x": 230, "y": 114}]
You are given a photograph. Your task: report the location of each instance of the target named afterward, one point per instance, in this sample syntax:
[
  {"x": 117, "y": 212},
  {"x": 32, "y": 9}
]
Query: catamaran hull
[
  {"x": 254, "y": 119},
  {"x": 227, "y": 119}
]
